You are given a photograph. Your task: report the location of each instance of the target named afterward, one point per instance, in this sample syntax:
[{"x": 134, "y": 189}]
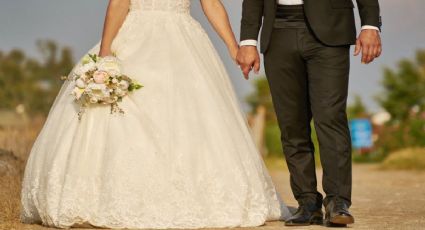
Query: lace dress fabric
[{"x": 180, "y": 157}]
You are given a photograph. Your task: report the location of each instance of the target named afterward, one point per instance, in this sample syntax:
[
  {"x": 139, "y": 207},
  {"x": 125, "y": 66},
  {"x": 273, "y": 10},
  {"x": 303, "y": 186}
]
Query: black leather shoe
[
  {"x": 337, "y": 214},
  {"x": 304, "y": 217}
]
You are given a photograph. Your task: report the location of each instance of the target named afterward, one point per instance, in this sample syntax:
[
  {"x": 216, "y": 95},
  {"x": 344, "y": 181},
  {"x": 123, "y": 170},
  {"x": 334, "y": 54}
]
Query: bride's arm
[
  {"x": 217, "y": 15},
  {"x": 115, "y": 16}
]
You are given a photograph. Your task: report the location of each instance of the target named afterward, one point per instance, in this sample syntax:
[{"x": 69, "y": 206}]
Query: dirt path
[{"x": 381, "y": 200}]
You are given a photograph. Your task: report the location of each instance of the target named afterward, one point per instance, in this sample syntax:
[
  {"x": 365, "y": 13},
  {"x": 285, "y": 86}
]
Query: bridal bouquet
[{"x": 99, "y": 80}]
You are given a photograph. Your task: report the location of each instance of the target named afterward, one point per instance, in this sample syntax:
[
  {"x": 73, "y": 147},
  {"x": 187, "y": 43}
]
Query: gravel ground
[{"x": 381, "y": 200}]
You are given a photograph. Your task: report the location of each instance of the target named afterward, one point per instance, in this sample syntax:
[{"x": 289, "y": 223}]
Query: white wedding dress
[{"x": 180, "y": 157}]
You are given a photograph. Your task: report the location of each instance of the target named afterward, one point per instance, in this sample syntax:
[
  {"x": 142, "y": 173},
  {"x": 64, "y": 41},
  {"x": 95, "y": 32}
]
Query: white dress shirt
[
  {"x": 252, "y": 42},
  {"x": 290, "y": 2}
]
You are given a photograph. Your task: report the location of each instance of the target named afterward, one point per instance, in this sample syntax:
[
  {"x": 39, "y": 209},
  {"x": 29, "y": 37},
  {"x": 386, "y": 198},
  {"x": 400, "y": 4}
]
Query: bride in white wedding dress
[{"x": 180, "y": 157}]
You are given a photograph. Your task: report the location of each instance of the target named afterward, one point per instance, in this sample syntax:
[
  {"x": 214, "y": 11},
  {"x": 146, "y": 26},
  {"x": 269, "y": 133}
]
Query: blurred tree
[
  {"x": 404, "y": 99},
  {"x": 262, "y": 96},
  {"x": 404, "y": 88},
  {"x": 357, "y": 109},
  {"x": 31, "y": 82}
]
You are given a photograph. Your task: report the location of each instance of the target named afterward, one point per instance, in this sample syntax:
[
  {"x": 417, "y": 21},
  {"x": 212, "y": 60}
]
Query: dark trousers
[{"x": 309, "y": 80}]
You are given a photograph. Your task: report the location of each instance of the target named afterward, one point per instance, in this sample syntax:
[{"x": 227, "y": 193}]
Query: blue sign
[{"x": 361, "y": 133}]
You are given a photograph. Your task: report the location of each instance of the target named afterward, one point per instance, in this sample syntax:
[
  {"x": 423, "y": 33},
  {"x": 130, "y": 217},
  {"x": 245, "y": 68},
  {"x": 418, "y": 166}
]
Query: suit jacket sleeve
[
  {"x": 369, "y": 12},
  {"x": 252, "y": 17}
]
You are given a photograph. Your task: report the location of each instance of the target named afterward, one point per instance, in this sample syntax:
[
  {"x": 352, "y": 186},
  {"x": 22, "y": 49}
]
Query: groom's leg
[
  {"x": 287, "y": 77},
  {"x": 328, "y": 71}
]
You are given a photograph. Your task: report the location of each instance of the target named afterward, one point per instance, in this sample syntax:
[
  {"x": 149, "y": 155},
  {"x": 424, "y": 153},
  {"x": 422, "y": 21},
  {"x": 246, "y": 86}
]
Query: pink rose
[{"x": 100, "y": 77}]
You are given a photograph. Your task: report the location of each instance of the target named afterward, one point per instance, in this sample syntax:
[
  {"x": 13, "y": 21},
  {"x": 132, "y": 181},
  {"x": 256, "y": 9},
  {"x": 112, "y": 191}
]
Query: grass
[
  {"x": 15, "y": 144},
  {"x": 275, "y": 163},
  {"x": 9, "y": 200},
  {"x": 405, "y": 159},
  {"x": 370, "y": 158}
]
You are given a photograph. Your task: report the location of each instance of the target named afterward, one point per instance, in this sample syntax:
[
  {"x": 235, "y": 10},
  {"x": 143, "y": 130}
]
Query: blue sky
[{"x": 78, "y": 24}]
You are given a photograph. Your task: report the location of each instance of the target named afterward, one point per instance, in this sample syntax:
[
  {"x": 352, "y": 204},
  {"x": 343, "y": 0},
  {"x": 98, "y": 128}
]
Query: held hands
[
  {"x": 248, "y": 58},
  {"x": 369, "y": 43}
]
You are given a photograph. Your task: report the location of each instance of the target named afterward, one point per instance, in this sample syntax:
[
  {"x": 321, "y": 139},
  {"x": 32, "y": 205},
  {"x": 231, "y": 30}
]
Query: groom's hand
[
  {"x": 248, "y": 58},
  {"x": 369, "y": 43}
]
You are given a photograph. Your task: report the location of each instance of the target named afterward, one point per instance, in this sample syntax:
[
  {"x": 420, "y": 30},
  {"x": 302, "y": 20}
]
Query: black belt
[{"x": 290, "y": 12}]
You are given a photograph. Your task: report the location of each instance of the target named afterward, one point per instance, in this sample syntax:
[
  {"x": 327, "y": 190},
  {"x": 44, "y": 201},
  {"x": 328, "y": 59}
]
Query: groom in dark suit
[{"x": 306, "y": 48}]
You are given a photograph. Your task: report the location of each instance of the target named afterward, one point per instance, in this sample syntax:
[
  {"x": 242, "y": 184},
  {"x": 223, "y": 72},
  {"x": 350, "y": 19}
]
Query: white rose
[
  {"x": 87, "y": 67},
  {"x": 94, "y": 86},
  {"x": 119, "y": 92},
  {"x": 110, "y": 64},
  {"x": 100, "y": 92},
  {"x": 77, "y": 93},
  {"x": 78, "y": 71},
  {"x": 80, "y": 83},
  {"x": 93, "y": 100},
  {"x": 84, "y": 77},
  {"x": 105, "y": 93}
]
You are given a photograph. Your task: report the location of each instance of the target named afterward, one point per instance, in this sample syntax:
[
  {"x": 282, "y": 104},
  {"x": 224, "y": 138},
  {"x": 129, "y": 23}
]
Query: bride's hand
[
  {"x": 105, "y": 53},
  {"x": 234, "y": 52}
]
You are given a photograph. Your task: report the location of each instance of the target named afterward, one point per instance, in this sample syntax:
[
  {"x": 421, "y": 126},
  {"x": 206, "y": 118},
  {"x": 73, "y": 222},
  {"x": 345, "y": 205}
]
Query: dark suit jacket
[{"x": 332, "y": 21}]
